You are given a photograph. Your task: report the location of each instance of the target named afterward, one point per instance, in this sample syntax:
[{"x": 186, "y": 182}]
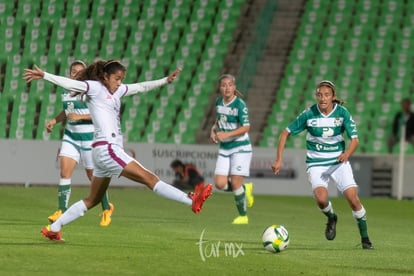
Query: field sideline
[{"x": 150, "y": 235}]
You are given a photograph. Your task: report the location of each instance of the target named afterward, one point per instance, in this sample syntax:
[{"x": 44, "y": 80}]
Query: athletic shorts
[
  {"x": 81, "y": 152},
  {"x": 234, "y": 164},
  {"x": 109, "y": 159},
  {"x": 341, "y": 175}
]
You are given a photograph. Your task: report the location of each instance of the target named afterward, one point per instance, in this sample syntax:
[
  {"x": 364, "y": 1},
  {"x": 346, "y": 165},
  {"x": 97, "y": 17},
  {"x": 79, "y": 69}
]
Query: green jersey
[
  {"x": 77, "y": 131},
  {"x": 324, "y": 139},
  {"x": 231, "y": 116}
]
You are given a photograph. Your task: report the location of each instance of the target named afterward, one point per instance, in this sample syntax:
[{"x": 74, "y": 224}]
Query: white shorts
[
  {"x": 81, "y": 152},
  {"x": 341, "y": 174},
  {"x": 234, "y": 164},
  {"x": 109, "y": 159}
]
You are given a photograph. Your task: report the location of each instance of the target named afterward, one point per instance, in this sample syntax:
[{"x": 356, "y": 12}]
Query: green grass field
[{"x": 150, "y": 235}]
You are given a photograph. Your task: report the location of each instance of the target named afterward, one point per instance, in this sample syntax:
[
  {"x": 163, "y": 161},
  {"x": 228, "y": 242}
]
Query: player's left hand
[{"x": 174, "y": 75}]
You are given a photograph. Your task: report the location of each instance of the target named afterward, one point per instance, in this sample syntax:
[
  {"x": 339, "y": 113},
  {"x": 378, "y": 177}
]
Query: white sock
[
  {"x": 359, "y": 214},
  {"x": 328, "y": 208},
  {"x": 65, "y": 181},
  {"x": 75, "y": 211},
  {"x": 165, "y": 190},
  {"x": 239, "y": 191}
]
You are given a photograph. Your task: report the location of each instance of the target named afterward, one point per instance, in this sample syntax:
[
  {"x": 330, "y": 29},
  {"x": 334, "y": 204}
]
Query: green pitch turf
[{"x": 150, "y": 235}]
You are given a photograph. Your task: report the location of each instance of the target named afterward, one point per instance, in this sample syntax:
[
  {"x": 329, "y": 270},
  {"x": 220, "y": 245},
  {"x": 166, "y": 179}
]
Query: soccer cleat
[
  {"x": 249, "y": 194},
  {"x": 198, "y": 199},
  {"x": 53, "y": 236},
  {"x": 241, "y": 220},
  {"x": 106, "y": 216},
  {"x": 330, "y": 231},
  {"x": 199, "y": 187},
  {"x": 54, "y": 217},
  {"x": 366, "y": 243}
]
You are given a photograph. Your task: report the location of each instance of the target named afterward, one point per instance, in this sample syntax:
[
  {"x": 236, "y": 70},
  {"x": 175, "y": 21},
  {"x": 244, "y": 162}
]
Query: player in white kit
[
  {"x": 76, "y": 147},
  {"x": 101, "y": 83}
]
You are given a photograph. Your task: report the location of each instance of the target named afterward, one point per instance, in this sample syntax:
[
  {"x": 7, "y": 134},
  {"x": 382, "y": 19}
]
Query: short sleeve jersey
[
  {"x": 324, "y": 139},
  {"x": 230, "y": 117},
  {"x": 77, "y": 130}
]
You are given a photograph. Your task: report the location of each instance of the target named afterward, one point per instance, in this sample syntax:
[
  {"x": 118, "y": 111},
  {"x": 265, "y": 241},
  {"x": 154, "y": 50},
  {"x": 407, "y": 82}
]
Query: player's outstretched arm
[
  {"x": 66, "y": 83},
  {"x": 142, "y": 87}
]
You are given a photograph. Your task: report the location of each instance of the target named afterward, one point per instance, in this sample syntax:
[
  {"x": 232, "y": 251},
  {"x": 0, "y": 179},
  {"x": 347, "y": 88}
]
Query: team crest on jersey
[
  {"x": 338, "y": 121},
  {"x": 71, "y": 105}
]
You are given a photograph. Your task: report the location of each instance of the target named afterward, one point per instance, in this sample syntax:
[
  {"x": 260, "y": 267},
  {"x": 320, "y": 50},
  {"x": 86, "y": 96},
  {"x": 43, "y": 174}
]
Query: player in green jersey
[
  {"x": 230, "y": 131},
  {"x": 327, "y": 156}
]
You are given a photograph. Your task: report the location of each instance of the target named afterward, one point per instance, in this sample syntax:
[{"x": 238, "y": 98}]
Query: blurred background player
[
  {"x": 76, "y": 147},
  {"x": 187, "y": 176},
  {"x": 327, "y": 157},
  {"x": 101, "y": 83},
  {"x": 405, "y": 117},
  {"x": 235, "y": 150}
]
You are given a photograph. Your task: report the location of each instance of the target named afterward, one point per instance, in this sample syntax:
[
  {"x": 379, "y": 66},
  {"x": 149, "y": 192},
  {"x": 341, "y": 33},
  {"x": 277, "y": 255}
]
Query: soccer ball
[{"x": 275, "y": 238}]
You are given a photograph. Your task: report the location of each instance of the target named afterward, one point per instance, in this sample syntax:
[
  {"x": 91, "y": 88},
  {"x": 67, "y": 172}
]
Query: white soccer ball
[{"x": 275, "y": 238}]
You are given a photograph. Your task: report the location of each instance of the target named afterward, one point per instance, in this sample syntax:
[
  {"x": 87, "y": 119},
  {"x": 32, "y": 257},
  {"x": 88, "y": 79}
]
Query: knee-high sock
[
  {"x": 165, "y": 190},
  {"x": 105, "y": 201},
  {"x": 361, "y": 219},
  {"x": 240, "y": 198},
  {"x": 75, "y": 211},
  {"x": 64, "y": 190}
]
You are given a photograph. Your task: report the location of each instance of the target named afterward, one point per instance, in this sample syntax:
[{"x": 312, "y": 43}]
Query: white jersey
[{"x": 104, "y": 107}]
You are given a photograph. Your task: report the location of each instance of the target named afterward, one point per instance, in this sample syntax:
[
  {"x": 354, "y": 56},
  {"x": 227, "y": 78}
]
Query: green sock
[
  {"x": 63, "y": 196},
  {"x": 105, "y": 202},
  {"x": 240, "y": 198},
  {"x": 363, "y": 227}
]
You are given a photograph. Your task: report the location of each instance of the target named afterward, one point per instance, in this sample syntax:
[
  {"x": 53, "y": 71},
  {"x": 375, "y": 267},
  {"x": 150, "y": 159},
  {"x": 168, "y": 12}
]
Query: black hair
[
  {"x": 112, "y": 66},
  {"x": 177, "y": 163},
  {"x": 97, "y": 70}
]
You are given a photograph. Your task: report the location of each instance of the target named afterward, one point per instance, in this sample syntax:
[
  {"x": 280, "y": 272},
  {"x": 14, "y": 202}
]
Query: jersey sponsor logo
[
  {"x": 325, "y": 122},
  {"x": 313, "y": 123},
  {"x": 320, "y": 147}
]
